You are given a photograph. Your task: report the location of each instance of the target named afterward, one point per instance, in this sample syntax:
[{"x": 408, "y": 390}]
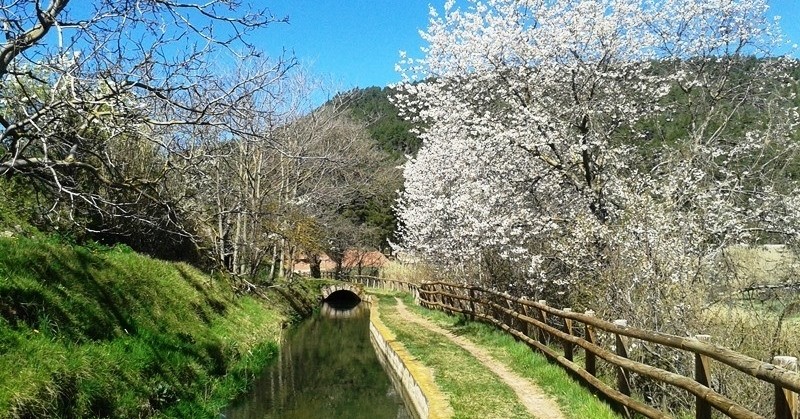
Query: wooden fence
[
  {"x": 334, "y": 275},
  {"x": 387, "y": 284},
  {"x": 540, "y": 325},
  {"x": 348, "y": 274}
]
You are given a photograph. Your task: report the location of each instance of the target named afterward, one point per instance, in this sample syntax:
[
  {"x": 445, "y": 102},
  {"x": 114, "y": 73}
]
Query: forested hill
[
  {"x": 371, "y": 213},
  {"x": 386, "y": 127}
]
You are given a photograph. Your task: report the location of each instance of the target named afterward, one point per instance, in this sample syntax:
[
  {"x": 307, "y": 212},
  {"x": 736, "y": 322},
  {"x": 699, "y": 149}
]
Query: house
[{"x": 353, "y": 259}]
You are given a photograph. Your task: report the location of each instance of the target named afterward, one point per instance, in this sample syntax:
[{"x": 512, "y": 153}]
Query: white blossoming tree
[{"x": 607, "y": 151}]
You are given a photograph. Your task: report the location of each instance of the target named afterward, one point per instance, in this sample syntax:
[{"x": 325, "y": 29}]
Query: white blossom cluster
[{"x": 537, "y": 120}]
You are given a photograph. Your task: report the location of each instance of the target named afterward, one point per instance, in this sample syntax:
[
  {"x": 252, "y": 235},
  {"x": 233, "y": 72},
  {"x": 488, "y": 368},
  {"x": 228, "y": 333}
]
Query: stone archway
[{"x": 342, "y": 290}]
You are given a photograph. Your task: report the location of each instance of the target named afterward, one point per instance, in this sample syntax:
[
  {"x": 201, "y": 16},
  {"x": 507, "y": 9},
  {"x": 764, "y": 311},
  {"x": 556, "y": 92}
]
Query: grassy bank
[
  {"x": 471, "y": 390},
  {"x": 106, "y": 332},
  {"x": 575, "y": 400}
]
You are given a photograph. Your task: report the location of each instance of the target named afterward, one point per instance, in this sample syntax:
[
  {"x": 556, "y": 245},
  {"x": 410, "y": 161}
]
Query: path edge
[{"x": 427, "y": 400}]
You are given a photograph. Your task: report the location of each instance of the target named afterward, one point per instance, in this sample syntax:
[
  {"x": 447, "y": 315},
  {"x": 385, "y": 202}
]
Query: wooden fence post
[
  {"x": 472, "y": 304},
  {"x": 702, "y": 374},
  {"x": 568, "y": 347},
  {"x": 447, "y": 300},
  {"x": 488, "y": 305},
  {"x": 786, "y": 402},
  {"x": 463, "y": 305},
  {"x": 591, "y": 360},
  {"x": 512, "y": 321},
  {"x": 427, "y": 296},
  {"x": 525, "y": 311},
  {"x": 542, "y": 334},
  {"x": 621, "y": 348},
  {"x": 491, "y": 310},
  {"x": 522, "y": 326}
]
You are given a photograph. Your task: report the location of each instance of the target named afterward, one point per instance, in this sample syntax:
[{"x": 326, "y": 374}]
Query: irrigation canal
[{"x": 326, "y": 368}]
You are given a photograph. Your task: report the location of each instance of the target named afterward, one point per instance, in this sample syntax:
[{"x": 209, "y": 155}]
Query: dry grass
[
  {"x": 760, "y": 323},
  {"x": 410, "y": 272},
  {"x": 761, "y": 265}
]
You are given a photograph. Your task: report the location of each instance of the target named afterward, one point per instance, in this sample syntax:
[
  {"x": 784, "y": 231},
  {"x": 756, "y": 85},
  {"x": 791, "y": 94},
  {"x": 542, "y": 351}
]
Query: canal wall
[{"x": 423, "y": 397}]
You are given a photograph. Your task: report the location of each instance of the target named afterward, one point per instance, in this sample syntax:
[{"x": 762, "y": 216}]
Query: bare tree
[
  {"x": 100, "y": 103},
  {"x": 264, "y": 191}
]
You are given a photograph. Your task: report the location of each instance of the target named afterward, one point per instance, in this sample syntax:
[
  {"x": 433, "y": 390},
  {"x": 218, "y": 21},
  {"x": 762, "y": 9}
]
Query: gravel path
[{"x": 535, "y": 400}]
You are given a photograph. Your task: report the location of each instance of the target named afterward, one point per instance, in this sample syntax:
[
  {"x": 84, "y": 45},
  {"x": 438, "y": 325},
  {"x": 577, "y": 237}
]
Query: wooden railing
[
  {"x": 387, "y": 284},
  {"x": 343, "y": 275},
  {"x": 540, "y": 325},
  {"x": 333, "y": 275}
]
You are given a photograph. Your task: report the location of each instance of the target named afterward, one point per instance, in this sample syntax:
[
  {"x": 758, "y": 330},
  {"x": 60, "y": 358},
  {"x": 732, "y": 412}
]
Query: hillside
[
  {"x": 369, "y": 216},
  {"x": 105, "y": 332},
  {"x": 391, "y": 132}
]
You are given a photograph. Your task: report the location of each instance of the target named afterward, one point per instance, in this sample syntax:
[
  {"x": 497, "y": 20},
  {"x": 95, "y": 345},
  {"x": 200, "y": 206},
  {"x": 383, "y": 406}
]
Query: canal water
[{"x": 326, "y": 368}]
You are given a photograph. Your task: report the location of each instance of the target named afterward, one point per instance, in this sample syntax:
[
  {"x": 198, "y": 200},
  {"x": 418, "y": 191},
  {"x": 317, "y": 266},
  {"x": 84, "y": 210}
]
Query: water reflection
[
  {"x": 326, "y": 368},
  {"x": 345, "y": 311}
]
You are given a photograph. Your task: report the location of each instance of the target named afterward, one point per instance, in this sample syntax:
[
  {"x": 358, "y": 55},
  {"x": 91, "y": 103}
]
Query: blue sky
[
  {"x": 354, "y": 42},
  {"x": 357, "y": 42}
]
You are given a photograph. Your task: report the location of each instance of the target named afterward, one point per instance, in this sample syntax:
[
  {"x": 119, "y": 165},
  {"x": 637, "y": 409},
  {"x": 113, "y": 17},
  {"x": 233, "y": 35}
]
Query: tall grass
[{"x": 409, "y": 272}]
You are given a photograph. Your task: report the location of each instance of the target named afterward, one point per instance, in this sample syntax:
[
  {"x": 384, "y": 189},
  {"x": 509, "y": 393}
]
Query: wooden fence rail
[
  {"x": 540, "y": 325},
  {"x": 387, "y": 284}
]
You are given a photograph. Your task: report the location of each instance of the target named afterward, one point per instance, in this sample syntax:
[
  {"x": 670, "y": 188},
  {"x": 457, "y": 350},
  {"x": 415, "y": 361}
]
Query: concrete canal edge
[{"x": 423, "y": 396}]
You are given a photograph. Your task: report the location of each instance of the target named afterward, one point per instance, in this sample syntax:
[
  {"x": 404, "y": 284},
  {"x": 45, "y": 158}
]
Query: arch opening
[{"x": 343, "y": 299}]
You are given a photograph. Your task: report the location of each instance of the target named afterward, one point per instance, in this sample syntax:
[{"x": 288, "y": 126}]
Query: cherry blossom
[{"x": 618, "y": 145}]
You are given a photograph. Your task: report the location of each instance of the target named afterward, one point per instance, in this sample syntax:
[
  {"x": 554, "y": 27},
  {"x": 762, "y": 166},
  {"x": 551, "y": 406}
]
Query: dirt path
[{"x": 538, "y": 404}]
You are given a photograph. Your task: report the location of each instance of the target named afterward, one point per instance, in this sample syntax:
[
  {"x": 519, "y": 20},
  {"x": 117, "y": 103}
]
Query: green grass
[
  {"x": 473, "y": 390},
  {"x": 106, "y": 332},
  {"x": 575, "y": 400}
]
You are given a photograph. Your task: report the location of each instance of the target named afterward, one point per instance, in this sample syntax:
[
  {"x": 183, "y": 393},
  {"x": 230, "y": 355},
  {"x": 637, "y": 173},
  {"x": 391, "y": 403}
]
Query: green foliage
[
  {"x": 376, "y": 217},
  {"x": 104, "y": 332},
  {"x": 391, "y": 132},
  {"x": 16, "y": 203}
]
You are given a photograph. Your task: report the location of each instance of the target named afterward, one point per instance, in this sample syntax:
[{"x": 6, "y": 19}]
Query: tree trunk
[
  {"x": 273, "y": 269},
  {"x": 315, "y": 262}
]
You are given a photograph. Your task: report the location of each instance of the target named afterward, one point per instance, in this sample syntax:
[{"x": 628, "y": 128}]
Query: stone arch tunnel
[{"x": 347, "y": 295}]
